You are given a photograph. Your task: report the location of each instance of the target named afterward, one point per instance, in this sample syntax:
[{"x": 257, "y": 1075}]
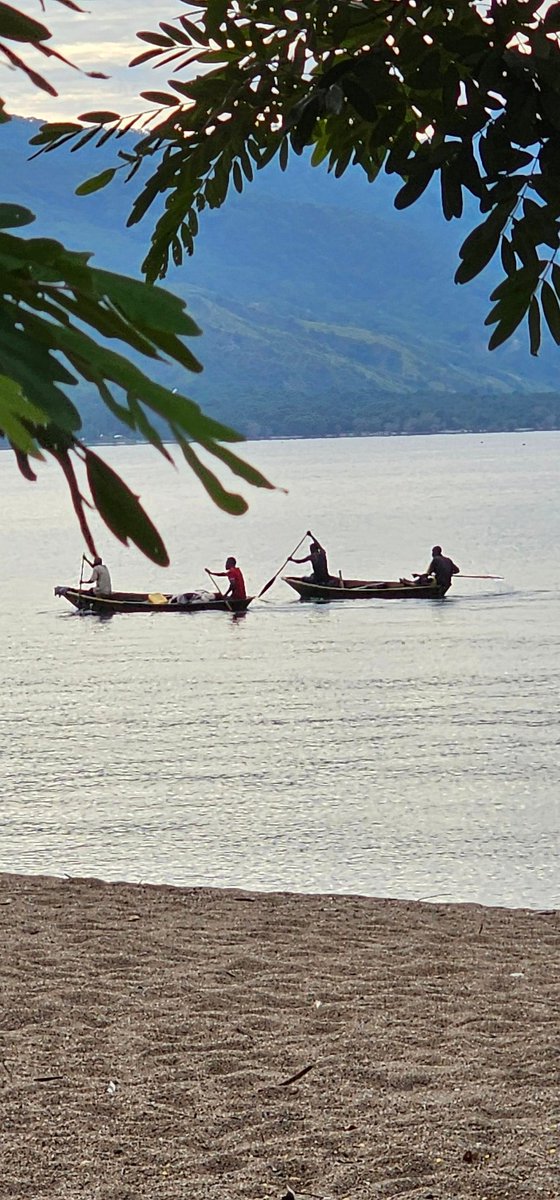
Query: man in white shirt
[{"x": 100, "y": 578}]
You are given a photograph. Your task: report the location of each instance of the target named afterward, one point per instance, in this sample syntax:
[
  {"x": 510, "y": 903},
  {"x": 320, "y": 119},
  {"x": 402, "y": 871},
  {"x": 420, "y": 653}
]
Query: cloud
[{"x": 100, "y": 40}]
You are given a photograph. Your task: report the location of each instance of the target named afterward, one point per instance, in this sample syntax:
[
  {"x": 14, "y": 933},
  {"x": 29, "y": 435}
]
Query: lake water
[{"x": 406, "y": 749}]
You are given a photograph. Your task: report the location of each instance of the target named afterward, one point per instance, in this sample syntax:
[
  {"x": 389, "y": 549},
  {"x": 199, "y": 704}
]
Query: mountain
[{"x": 324, "y": 310}]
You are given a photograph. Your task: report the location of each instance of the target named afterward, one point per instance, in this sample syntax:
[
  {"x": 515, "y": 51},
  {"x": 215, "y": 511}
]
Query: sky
[{"x": 100, "y": 39}]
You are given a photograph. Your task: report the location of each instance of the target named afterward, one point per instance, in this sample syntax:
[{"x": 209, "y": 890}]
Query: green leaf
[
  {"x": 534, "y": 326},
  {"x": 29, "y": 364},
  {"x": 120, "y": 411},
  {"x": 237, "y": 176},
  {"x": 230, "y": 502},
  {"x": 155, "y": 39},
  {"x": 514, "y": 298},
  {"x": 12, "y": 216},
  {"x": 521, "y": 282},
  {"x": 481, "y": 245},
  {"x": 54, "y": 130},
  {"x": 49, "y": 260},
  {"x": 451, "y": 192},
  {"x": 103, "y": 117},
  {"x": 196, "y": 35},
  {"x": 144, "y": 57},
  {"x": 176, "y": 34},
  {"x": 15, "y": 409},
  {"x": 505, "y": 328},
  {"x": 175, "y": 349},
  {"x": 413, "y": 188},
  {"x": 154, "y": 307},
  {"x": 47, "y": 134},
  {"x": 320, "y": 151},
  {"x": 246, "y": 165},
  {"x": 121, "y": 510},
  {"x": 165, "y": 98},
  {"x": 96, "y": 182},
  {"x": 140, "y": 421},
  {"x": 239, "y": 467},
  {"x": 551, "y": 310},
  {"x": 19, "y": 28}
]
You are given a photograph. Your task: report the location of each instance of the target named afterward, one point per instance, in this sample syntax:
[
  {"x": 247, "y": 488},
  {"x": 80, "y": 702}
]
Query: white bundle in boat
[{"x": 193, "y": 597}]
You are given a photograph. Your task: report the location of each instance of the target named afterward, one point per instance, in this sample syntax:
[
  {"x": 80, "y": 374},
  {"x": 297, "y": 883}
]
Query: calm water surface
[{"x": 397, "y": 749}]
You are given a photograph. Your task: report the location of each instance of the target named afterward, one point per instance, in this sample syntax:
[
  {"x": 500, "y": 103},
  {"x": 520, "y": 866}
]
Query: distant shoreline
[
  {"x": 336, "y": 437},
  {"x": 119, "y": 440}
]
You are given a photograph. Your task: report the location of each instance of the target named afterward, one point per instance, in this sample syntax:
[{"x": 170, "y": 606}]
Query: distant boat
[
  {"x": 150, "y": 602},
  {"x": 363, "y": 589}
]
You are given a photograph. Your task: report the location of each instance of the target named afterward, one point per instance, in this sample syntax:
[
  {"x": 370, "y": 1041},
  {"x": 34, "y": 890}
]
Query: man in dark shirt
[
  {"x": 318, "y": 558},
  {"x": 442, "y": 567}
]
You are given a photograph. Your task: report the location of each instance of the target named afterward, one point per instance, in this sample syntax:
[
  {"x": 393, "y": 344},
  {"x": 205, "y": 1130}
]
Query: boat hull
[
  {"x": 140, "y": 602},
  {"x": 362, "y": 589}
]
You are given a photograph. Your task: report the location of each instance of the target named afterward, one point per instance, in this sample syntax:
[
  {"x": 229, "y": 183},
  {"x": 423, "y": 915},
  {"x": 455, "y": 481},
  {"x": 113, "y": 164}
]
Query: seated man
[
  {"x": 442, "y": 567},
  {"x": 100, "y": 578}
]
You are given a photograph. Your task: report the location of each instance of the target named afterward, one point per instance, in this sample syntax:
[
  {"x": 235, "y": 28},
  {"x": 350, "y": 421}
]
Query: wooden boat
[
  {"x": 149, "y": 602},
  {"x": 363, "y": 589}
]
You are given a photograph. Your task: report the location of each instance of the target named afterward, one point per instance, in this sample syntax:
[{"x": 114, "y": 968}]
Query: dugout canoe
[
  {"x": 148, "y": 602},
  {"x": 364, "y": 589}
]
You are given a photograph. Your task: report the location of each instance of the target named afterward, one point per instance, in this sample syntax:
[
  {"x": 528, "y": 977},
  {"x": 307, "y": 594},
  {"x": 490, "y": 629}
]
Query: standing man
[
  {"x": 236, "y": 589},
  {"x": 100, "y": 577},
  {"x": 318, "y": 558}
]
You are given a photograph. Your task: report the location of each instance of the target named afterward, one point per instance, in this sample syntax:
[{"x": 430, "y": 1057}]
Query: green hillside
[{"x": 324, "y": 311}]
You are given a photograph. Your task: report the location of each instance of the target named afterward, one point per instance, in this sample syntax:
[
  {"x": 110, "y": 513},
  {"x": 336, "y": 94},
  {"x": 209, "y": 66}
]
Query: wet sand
[{"x": 189, "y": 1043}]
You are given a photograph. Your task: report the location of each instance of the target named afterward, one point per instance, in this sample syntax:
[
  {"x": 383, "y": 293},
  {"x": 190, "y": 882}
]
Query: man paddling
[
  {"x": 100, "y": 577},
  {"x": 318, "y": 558},
  {"x": 236, "y": 589},
  {"x": 442, "y": 567}
]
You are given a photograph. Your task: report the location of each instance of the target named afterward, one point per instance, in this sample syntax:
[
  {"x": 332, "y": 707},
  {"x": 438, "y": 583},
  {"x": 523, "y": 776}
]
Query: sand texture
[{"x": 151, "y": 1040}]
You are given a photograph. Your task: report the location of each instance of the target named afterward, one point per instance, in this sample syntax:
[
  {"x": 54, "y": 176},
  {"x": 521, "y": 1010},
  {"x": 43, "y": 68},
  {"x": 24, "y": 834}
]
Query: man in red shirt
[{"x": 236, "y": 589}]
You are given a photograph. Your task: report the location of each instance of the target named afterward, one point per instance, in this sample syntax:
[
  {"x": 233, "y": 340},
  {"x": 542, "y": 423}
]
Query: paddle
[
  {"x": 461, "y": 576},
  {"x": 216, "y": 584},
  {"x": 82, "y": 572},
  {"x": 284, "y": 564}
]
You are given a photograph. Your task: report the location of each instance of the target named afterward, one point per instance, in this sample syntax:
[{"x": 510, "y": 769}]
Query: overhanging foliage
[{"x": 459, "y": 90}]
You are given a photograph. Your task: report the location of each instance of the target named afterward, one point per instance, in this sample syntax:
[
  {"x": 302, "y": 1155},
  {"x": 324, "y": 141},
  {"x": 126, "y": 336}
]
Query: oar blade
[{"x": 284, "y": 564}]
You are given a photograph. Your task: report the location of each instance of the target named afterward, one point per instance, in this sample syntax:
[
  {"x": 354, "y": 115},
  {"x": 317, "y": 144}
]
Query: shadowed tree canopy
[
  {"x": 58, "y": 315},
  {"x": 467, "y": 93}
]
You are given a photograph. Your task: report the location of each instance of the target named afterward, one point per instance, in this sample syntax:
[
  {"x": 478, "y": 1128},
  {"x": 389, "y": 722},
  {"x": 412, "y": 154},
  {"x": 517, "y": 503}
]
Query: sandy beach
[{"x": 189, "y": 1043}]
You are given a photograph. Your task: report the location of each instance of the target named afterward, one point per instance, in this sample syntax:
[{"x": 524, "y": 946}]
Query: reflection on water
[{"x": 389, "y": 748}]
